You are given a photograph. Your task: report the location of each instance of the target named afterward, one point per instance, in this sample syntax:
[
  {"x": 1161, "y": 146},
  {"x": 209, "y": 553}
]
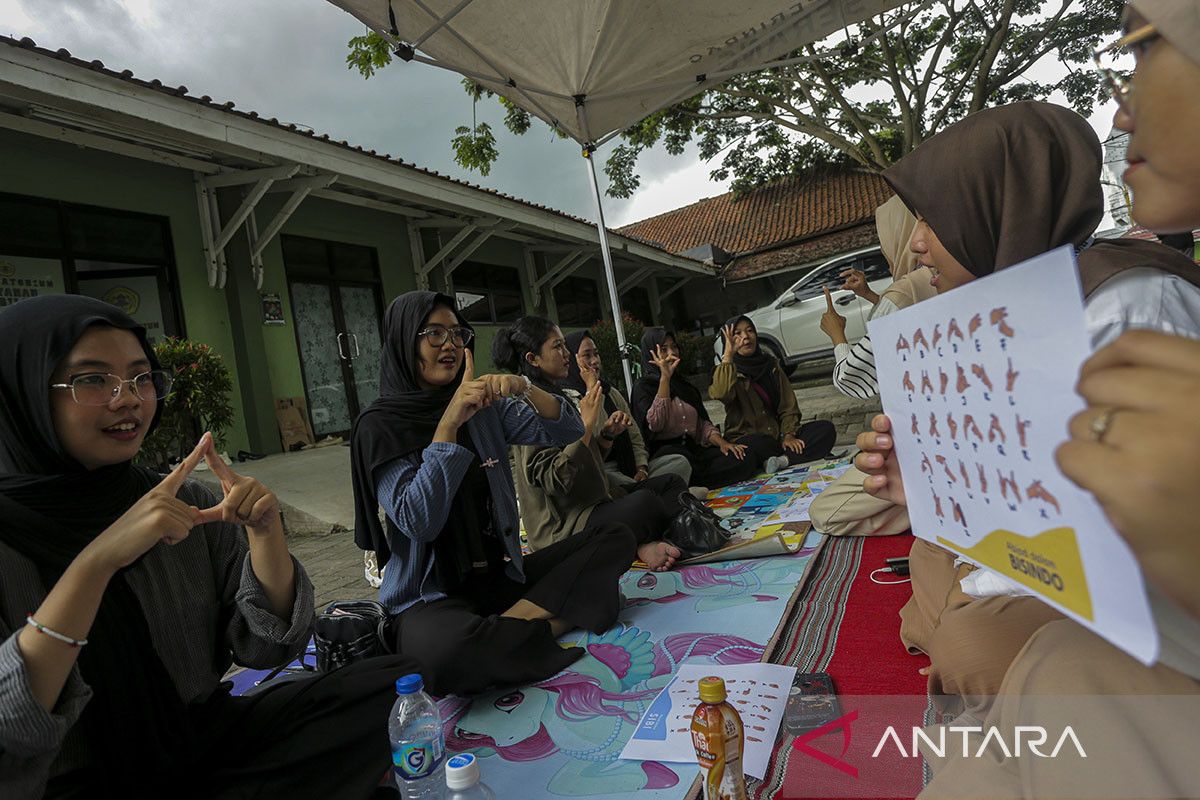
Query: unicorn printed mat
[{"x": 562, "y": 737}]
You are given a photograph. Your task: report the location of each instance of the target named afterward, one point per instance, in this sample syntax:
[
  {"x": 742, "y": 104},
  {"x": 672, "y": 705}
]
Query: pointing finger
[
  {"x": 468, "y": 365},
  {"x": 828, "y": 299},
  {"x": 172, "y": 483}
]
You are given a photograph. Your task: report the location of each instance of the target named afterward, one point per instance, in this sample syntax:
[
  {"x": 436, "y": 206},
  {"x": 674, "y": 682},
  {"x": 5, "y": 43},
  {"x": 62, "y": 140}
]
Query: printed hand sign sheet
[
  {"x": 979, "y": 385},
  {"x": 758, "y": 692}
]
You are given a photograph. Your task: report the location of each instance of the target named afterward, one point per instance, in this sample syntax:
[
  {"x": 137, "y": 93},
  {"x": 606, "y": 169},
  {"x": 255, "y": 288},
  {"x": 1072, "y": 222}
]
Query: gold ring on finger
[{"x": 1101, "y": 424}]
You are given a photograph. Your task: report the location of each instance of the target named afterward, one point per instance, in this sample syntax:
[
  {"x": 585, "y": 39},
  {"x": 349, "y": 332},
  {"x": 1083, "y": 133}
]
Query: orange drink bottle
[{"x": 719, "y": 740}]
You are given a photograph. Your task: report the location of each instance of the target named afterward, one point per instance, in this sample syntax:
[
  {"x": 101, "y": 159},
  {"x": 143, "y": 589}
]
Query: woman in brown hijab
[{"x": 989, "y": 192}]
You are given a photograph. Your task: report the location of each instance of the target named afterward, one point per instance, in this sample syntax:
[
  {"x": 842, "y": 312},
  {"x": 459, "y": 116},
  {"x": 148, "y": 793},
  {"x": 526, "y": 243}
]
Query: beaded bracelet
[{"x": 53, "y": 634}]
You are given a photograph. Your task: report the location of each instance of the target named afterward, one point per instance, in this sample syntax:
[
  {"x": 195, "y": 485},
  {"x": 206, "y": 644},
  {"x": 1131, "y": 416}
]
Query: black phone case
[{"x": 811, "y": 703}]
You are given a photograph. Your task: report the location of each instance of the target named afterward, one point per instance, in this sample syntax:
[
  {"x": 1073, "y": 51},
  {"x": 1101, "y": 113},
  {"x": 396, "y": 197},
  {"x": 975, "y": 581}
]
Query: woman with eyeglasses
[
  {"x": 432, "y": 453},
  {"x": 564, "y": 489},
  {"x": 126, "y": 595},
  {"x": 1138, "y": 723}
]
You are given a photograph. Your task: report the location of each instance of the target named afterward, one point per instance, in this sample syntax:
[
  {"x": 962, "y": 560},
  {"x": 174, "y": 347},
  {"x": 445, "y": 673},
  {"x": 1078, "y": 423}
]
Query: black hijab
[
  {"x": 622, "y": 448},
  {"x": 51, "y": 508},
  {"x": 759, "y": 366},
  {"x": 404, "y": 418},
  {"x": 1008, "y": 183},
  {"x": 646, "y": 388}
]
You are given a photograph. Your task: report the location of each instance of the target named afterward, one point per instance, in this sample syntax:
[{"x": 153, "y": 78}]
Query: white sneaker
[
  {"x": 774, "y": 464},
  {"x": 698, "y": 492}
]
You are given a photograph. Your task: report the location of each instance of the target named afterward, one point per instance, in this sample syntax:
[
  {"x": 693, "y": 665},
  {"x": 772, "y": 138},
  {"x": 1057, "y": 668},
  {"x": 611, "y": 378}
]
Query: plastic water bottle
[
  {"x": 462, "y": 779},
  {"x": 418, "y": 744}
]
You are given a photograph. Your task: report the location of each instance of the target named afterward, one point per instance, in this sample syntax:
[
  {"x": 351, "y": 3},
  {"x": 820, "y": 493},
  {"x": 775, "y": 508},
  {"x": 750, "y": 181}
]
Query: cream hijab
[{"x": 895, "y": 224}]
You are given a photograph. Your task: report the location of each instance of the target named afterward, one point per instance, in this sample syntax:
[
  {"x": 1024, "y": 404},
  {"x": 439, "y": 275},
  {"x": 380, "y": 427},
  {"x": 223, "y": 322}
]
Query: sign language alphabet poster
[{"x": 979, "y": 384}]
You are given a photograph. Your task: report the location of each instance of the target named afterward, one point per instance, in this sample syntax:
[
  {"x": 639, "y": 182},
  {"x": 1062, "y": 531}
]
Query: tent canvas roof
[{"x": 624, "y": 59}]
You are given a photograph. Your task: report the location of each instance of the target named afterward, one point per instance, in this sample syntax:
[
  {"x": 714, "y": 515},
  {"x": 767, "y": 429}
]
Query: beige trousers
[
  {"x": 970, "y": 641},
  {"x": 845, "y": 509},
  {"x": 1137, "y": 725}
]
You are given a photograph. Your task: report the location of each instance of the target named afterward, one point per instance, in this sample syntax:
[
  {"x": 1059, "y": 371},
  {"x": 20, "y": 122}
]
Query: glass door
[
  {"x": 337, "y": 328},
  {"x": 360, "y": 315}
]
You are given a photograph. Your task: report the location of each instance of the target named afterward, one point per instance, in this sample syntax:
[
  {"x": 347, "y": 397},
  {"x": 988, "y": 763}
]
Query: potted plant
[{"x": 198, "y": 402}]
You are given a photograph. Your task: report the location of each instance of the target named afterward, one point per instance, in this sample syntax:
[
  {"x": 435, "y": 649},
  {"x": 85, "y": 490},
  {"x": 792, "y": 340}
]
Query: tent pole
[{"x": 609, "y": 275}]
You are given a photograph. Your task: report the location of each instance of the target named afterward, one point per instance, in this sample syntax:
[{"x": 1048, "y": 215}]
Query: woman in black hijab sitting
[
  {"x": 671, "y": 414},
  {"x": 760, "y": 407},
  {"x": 432, "y": 451},
  {"x": 144, "y": 590}
]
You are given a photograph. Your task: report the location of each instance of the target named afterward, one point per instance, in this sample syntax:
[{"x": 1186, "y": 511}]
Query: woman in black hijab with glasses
[
  {"x": 432, "y": 451},
  {"x": 125, "y": 595}
]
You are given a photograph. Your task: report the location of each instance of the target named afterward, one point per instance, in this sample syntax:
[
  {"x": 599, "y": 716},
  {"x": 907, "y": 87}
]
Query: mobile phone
[{"x": 811, "y": 703}]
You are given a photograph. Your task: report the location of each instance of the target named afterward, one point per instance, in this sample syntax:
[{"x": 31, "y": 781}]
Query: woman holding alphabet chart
[
  {"x": 126, "y": 595},
  {"x": 432, "y": 452},
  {"x": 1141, "y": 421},
  {"x": 979, "y": 221}
]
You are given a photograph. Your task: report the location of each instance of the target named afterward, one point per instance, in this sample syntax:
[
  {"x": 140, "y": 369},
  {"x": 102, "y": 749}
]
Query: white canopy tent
[{"x": 592, "y": 68}]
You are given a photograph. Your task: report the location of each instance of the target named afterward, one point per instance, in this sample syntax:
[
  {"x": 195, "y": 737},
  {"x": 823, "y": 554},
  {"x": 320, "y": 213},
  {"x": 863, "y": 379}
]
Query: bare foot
[{"x": 658, "y": 556}]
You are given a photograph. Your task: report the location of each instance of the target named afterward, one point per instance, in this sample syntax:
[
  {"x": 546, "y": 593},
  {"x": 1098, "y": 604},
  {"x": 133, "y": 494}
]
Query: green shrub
[
  {"x": 198, "y": 402},
  {"x": 604, "y": 333},
  {"x": 695, "y": 353}
]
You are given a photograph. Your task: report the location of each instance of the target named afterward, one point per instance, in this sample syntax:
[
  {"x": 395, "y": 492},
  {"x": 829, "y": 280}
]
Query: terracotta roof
[
  {"x": 808, "y": 251},
  {"x": 773, "y": 216},
  {"x": 228, "y": 107}
]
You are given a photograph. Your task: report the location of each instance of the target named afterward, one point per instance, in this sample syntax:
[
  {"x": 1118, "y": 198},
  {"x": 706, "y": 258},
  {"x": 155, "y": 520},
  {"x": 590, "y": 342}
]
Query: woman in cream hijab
[
  {"x": 844, "y": 509},
  {"x": 895, "y": 224},
  {"x": 854, "y": 370}
]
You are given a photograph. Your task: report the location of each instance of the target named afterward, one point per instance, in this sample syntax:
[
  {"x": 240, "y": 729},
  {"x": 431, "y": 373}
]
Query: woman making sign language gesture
[
  {"x": 432, "y": 452},
  {"x": 671, "y": 413},
  {"x": 127, "y": 595}
]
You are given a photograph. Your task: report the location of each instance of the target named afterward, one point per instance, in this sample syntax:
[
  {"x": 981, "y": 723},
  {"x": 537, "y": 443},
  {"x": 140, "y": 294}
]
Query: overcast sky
[{"x": 286, "y": 59}]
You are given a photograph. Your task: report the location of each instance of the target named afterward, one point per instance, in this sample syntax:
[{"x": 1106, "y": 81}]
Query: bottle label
[{"x": 416, "y": 759}]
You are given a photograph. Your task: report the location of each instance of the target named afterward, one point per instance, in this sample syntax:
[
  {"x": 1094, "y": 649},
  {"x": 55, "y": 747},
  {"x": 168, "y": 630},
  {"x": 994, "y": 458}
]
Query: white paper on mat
[
  {"x": 758, "y": 692},
  {"x": 979, "y": 384}
]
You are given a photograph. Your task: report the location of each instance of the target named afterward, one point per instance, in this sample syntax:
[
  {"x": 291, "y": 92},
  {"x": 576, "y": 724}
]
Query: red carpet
[{"x": 848, "y": 626}]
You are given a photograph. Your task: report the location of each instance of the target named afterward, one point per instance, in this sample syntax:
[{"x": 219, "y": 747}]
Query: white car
[{"x": 790, "y": 326}]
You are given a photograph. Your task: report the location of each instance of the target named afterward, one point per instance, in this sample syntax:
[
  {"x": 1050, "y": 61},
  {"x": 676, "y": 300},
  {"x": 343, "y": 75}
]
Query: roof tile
[{"x": 770, "y": 217}]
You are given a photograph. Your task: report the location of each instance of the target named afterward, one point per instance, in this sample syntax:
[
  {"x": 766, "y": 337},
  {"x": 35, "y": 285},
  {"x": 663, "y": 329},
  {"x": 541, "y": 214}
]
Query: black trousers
[
  {"x": 712, "y": 469},
  {"x": 819, "y": 437},
  {"x": 463, "y": 644},
  {"x": 321, "y": 736},
  {"x": 647, "y": 509}
]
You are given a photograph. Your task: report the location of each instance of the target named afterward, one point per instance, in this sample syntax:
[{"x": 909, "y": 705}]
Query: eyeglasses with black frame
[
  {"x": 437, "y": 335},
  {"x": 101, "y": 388},
  {"x": 1134, "y": 42}
]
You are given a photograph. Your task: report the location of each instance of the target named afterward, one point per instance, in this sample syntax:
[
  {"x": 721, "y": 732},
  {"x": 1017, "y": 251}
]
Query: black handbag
[
  {"x": 348, "y": 631},
  {"x": 696, "y": 529}
]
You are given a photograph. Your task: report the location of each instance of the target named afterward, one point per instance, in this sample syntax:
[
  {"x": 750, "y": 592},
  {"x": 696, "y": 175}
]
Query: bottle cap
[
  {"x": 462, "y": 772},
  {"x": 712, "y": 689},
  {"x": 410, "y": 684}
]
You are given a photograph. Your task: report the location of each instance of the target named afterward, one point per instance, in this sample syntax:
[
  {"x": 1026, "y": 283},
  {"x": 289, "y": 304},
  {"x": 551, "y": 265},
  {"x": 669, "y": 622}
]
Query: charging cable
[{"x": 895, "y": 569}]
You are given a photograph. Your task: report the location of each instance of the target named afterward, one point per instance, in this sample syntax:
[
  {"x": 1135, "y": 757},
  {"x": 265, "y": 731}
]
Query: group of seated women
[{"x": 125, "y": 595}]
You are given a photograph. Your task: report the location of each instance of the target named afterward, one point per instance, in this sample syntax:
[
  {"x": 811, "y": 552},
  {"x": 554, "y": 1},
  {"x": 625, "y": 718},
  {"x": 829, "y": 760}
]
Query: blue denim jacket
[{"x": 416, "y": 492}]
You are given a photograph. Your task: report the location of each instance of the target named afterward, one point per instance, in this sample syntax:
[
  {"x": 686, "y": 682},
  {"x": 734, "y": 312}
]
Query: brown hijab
[{"x": 1008, "y": 183}]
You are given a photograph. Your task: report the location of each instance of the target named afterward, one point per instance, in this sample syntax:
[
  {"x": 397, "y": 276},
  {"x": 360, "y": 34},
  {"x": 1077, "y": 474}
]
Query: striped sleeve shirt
[{"x": 854, "y": 372}]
